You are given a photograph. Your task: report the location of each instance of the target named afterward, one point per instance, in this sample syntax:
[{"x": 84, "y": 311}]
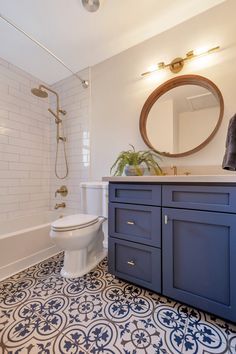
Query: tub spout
[{"x": 61, "y": 205}]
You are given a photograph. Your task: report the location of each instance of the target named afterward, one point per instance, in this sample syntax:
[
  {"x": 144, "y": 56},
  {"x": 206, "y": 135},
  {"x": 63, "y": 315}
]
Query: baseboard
[{"x": 24, "y": 263}]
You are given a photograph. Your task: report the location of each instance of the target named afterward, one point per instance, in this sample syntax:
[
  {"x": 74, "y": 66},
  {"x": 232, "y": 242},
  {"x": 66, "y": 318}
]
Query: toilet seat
[{"x": 74, "y": 222}]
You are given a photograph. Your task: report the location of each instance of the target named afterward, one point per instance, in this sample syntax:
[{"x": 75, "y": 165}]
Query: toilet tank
[{"x": 94, "y": 198}]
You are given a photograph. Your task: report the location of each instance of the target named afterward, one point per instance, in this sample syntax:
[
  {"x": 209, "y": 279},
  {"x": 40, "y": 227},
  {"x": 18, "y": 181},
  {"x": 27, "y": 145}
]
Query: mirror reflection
[{"x": 182, "y": 119}]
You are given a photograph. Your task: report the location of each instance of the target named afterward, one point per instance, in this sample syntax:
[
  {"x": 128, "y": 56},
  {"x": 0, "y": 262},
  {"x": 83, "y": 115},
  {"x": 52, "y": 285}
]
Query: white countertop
[{"x": 174, "y": 179}]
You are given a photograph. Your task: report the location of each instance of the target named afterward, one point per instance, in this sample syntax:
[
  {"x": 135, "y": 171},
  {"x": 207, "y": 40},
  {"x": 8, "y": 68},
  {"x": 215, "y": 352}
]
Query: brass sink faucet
[{"x": 175, "y": 169}]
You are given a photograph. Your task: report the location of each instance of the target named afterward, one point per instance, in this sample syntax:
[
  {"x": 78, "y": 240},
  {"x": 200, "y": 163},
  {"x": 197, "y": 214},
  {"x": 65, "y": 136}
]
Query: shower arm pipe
[
  {"x": 4, "y": 18},
  {"x": 56, "y": 115},
  {"x": 57, "y": 96},
  {"x": 55, "y": 93}
]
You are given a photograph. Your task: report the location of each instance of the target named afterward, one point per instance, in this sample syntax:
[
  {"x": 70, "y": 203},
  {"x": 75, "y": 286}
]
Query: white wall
[
  {"x": 76, "y": 101},
  {"x": 24, "y": 145},
  {"x": 118, "y": 91}
]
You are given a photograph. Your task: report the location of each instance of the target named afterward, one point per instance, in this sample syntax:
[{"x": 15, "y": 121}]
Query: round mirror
[{"x": 181, "y": 116}]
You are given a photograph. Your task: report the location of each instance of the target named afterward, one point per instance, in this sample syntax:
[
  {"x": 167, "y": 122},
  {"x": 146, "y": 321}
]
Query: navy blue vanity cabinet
[
  {"x": 134, "y": 226},
  {"x": 178, "y": 240},
  {"x": 199, "y": 247}
]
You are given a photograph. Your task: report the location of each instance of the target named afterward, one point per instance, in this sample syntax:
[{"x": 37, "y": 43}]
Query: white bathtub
[{"x": 25, "y": 241}]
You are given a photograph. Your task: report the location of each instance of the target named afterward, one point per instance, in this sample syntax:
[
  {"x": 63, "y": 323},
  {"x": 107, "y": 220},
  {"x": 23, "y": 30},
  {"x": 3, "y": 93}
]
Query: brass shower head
[{"x": 39, "y": 92}]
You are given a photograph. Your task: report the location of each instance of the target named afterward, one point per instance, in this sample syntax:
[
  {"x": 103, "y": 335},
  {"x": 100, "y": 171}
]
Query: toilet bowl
[{"x": 81, "y": 236}]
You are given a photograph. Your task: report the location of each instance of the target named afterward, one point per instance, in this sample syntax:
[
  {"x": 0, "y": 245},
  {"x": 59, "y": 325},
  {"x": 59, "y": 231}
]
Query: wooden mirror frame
[{"x": 167, "y": 86}]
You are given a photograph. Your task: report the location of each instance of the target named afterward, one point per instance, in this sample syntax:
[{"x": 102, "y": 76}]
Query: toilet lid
[{"x": 76, "y": 221}]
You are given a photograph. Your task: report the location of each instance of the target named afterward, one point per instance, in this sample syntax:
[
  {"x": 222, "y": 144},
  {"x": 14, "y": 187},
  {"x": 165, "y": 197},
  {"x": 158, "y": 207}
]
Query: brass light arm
[{"x": 177, "y": 64}]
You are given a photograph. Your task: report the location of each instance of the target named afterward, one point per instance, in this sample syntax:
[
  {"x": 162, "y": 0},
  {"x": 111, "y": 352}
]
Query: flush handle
[
  {"x": 130, "y": 222},
  {"x": 131, "y": 263}
]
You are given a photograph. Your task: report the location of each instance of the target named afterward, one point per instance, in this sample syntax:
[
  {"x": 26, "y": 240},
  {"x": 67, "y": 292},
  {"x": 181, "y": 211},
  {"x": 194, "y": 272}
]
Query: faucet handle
[
  {"x": 173, "y": 167},
  {"x": 62, "y": 190}
]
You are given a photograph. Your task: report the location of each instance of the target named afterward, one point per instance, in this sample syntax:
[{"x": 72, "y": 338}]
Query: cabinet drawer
[
  {"x": 135, "y": 193},
  {"x": 215, "y": 198},
  {"x": 136, "y": 223},
  {"x": 136, "y": 263}
]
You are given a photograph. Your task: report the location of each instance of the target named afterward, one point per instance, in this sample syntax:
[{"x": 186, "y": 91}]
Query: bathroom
[{"x": 100, "y": 122}]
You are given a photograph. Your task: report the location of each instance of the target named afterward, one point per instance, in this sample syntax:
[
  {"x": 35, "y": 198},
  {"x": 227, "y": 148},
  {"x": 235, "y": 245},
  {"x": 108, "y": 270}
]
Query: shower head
[
  {"x": 39, "y": 92},
  {"x": 91, "y": 5}
]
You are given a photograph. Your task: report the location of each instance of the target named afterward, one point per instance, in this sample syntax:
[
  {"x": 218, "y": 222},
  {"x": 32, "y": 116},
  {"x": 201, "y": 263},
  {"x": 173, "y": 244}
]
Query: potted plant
[{"x": 132, "y": 162}]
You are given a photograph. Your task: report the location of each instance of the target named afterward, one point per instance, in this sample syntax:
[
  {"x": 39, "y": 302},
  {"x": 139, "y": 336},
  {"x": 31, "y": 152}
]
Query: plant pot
[{"x": 134, "y": 170}]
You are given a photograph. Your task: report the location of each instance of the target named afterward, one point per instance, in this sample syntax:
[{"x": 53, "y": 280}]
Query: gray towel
[{"x": 229, "y": 160}]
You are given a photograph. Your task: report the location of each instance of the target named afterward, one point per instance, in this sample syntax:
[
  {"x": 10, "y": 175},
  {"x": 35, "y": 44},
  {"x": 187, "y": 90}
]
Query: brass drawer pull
[
  {"x": 130, "y": 222},
  {"x": 131, "y": 263}
]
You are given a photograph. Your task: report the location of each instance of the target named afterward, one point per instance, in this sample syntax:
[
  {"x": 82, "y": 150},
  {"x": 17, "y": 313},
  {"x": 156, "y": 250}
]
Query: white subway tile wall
[
  {"x": 28, "y": 143},
  {"x": 24, "y": 145},
  {"x": 76, "y": 101}
]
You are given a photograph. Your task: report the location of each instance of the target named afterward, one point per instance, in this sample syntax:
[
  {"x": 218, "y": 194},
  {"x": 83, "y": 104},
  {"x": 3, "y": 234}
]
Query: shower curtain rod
[{"x": 84, "y": 83}]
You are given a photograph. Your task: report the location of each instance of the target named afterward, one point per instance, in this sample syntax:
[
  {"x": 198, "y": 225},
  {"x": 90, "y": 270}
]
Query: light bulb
[{"x": 200, "y": 51}]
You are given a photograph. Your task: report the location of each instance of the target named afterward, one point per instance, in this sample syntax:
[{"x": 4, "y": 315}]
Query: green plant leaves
[{"x": 131, "y": 157}]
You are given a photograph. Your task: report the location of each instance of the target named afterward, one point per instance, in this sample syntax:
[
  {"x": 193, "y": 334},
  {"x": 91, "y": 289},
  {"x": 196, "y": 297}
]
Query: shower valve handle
[
  {"x": 62, "y": 138},
  {"x": 63, "y": 191}
]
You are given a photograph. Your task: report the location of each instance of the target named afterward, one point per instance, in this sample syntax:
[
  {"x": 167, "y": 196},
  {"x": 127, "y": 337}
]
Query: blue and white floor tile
[{"x": 43, "y": 313}]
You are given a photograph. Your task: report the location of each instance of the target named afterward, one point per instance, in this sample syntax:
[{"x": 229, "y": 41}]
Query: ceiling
[{"x": 83, "y": 39}]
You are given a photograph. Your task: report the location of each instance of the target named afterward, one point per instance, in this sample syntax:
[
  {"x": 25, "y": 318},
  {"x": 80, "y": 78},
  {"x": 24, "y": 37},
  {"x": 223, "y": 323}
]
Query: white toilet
[{"x": 81, "y": 236}]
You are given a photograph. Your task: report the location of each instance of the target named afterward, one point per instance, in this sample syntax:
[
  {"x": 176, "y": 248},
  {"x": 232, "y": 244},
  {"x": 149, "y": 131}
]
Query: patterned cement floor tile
[
  {"x": 113, "y": 303},
  {"x": 232, "y": 345},
  {"x": 19, "y": 292},
  {"x": 202, "y": 336},
  {"x": 6, "y": 319},
  {"x": 86, "y": 336},
  {"x": 59, "y": 344},
  {"x": 41, "y": 312},
  {"x": 228, "y": 328},
  {"x": 88, "y": 283},
  {"x": 122, "y": 302},
  {"x": 52, "y": 284},
  {"x": 20, "y": 326},
  {"x": 84, "y": 309},
  {"x": 51, "y": 266},
  {"x": 136, "y": 336}
]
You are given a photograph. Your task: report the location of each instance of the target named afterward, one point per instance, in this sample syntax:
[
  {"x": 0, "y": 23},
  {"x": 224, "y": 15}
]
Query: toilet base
[{"x": 78, "y": 263}]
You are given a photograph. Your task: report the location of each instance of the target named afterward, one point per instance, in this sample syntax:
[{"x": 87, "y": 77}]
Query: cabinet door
[{"x": 199, "y": 259}]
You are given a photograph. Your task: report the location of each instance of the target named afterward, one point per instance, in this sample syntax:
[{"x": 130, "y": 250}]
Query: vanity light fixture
[{"x": 176, "y": 65}]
